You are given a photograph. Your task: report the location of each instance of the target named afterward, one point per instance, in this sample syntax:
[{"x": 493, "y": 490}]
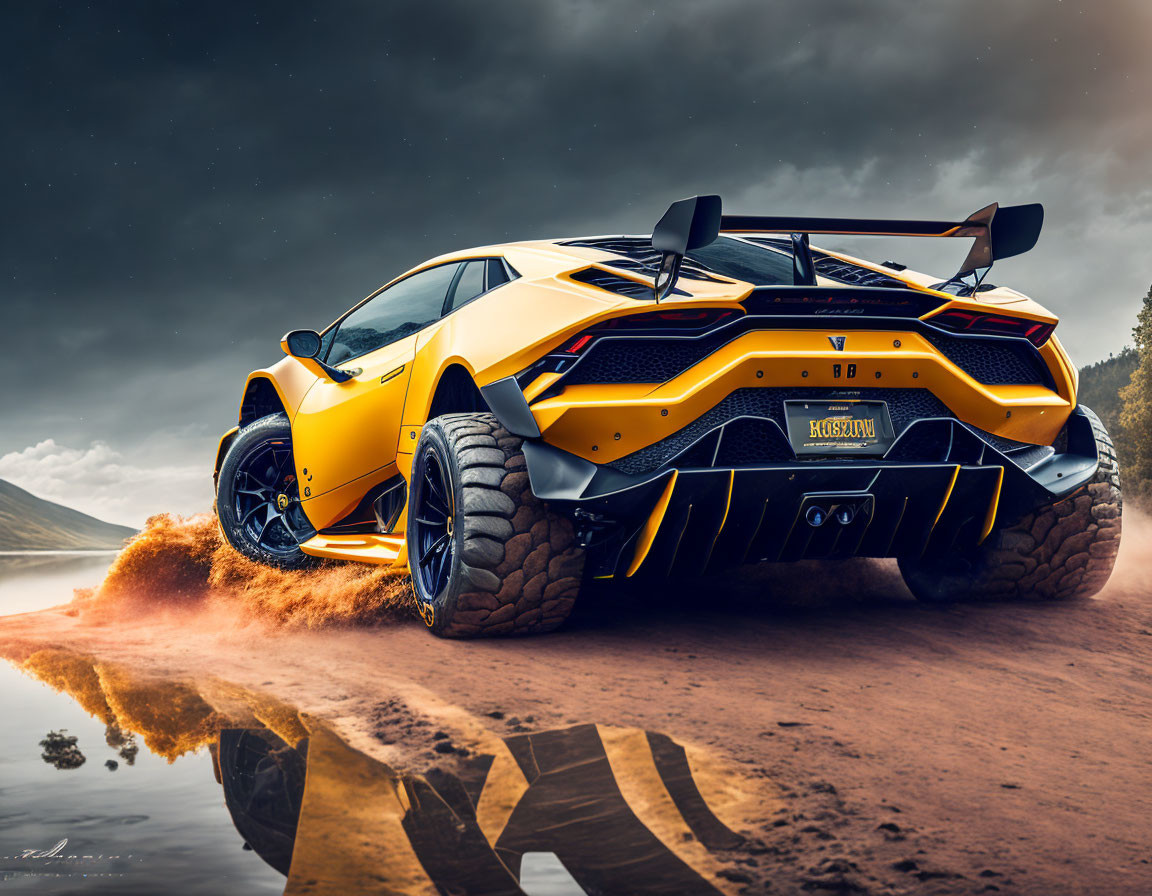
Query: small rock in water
[{"x": 61, "y": 751}]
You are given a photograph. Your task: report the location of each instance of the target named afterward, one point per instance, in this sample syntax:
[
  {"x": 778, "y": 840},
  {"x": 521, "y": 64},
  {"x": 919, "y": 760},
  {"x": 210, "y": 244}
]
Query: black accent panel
[
  {"x": 992, "y": 361},
  {"x": 815, "y": 302},
  {"x": 750, "y": 440},
  {"x": 260, "y": 400},
  {"x": 623, "y": 286},
  {"x": 640, "y": 360},
  {"x": 389, "y": 504},
  {"x": 555, "y": 472},
  {"x": 895, "y": 510},
  {"x": 507, "y": 402},
  {"x": 905, "y": 405},
  {"x": 364, "y": 519},
  {"x": 754, "y": 427}
]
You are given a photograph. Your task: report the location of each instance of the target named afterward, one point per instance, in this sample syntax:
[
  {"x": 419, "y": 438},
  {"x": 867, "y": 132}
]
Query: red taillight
[
  {"x": 574, "y": 347},
  {"x": 960, "y": 321},
  {"x": 683, "y": 320},
  {"x": 679, "y": 318}
]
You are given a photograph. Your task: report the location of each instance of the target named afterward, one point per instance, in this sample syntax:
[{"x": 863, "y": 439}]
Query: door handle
[{"x": 392, "y": 374}]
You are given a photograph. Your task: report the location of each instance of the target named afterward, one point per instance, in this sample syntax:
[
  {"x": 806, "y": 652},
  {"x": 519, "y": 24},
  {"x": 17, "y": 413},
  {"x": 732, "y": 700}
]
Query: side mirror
[{"x": 303, "y": 344}]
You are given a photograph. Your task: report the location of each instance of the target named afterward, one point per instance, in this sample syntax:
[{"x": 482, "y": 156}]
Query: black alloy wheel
[
  {"x": 433, "y": 523},
  {"x": 266, "y": 498},
  {"x": 258, "y": 496}
]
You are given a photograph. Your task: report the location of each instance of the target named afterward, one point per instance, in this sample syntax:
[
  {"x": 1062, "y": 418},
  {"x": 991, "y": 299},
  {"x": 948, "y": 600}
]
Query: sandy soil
[{"x": 967, "y": 749}]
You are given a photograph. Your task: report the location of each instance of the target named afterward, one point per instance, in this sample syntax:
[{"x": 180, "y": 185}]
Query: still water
[
  {"x": 41, "y": 579},
  {"x": 144, "y": 826},
  {"x": 116, "y": 782}
]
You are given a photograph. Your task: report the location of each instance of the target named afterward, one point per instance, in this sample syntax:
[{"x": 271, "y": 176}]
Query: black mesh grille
[
  {"x": 615, "y": 283},
  {"x": 993, "y": 362},
  {"x": 752, "y": 441},
  {"x": 904, "y": 405},
  {"x": 642, "y": 360}
]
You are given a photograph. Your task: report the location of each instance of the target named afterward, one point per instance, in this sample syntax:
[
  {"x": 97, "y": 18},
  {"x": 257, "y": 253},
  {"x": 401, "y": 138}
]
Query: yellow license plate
[{"x": 839, "y": 427}]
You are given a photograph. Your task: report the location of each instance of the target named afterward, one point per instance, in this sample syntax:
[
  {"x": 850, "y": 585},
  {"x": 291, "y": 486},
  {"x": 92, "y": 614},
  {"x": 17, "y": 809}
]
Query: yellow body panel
[
  {"x": 652, "y": 526},
  {"x": 380, "y": 549},
  {"x": 347, "y": 432},
  {"x": 349, "y": 437},
  {"x": 291, "y": 379},
  {"x": 603, "y": 423}
]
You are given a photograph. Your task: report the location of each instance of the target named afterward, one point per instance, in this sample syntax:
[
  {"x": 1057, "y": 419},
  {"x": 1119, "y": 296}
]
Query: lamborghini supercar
[{"x": 510, "y": 421}]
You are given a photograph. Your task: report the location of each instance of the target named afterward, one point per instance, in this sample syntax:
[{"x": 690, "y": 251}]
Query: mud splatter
[{"x": 182, "y": 562}]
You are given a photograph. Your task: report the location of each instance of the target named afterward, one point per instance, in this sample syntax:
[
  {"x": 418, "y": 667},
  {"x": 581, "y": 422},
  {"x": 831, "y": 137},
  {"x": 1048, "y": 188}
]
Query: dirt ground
[{"x": 906, "y": 748}]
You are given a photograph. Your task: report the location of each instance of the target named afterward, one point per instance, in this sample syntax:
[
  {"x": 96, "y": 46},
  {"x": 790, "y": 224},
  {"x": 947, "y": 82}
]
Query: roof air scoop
[{"x": 688, "y": 224}]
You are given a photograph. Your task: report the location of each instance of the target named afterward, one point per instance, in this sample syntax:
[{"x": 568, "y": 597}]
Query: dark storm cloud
[{"x": 183, "y": 182}]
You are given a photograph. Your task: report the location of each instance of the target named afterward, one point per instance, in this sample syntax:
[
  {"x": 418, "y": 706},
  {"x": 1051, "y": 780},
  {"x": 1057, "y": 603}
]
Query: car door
[{"x": 345, "y": 431}]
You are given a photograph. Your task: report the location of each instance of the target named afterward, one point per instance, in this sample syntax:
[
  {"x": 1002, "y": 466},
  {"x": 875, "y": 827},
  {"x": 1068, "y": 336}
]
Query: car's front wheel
[
  {"x": 258, "y": 497},
  {"x": 487, "y": 557}
]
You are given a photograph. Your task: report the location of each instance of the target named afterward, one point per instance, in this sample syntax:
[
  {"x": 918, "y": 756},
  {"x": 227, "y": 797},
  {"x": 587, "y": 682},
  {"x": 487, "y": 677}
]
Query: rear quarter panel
[{"x": 503, "y": 331}]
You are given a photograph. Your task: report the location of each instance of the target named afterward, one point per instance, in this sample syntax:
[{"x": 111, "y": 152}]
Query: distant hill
[
  {"x": 1100, "y": 384},
  {"x": 28, "y": 523}
]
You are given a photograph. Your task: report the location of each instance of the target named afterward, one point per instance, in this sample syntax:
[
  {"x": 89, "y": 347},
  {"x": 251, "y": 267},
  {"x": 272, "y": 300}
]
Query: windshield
[{"x": 743, "y": 261}]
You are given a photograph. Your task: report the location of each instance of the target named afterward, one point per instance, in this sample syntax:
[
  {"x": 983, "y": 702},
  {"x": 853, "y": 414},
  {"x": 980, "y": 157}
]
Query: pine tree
[{"x": 1135, "y": 446}]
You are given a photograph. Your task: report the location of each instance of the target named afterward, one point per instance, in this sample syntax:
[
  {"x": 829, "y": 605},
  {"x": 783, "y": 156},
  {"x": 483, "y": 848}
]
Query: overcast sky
[{"x": 180, "y": 183}]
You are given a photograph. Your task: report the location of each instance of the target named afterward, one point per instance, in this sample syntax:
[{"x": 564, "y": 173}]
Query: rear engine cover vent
[{"x": 624, "y": 286}]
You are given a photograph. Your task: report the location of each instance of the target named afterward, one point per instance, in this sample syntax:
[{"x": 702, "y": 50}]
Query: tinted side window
[
  {"x": 496, "y": 273},
  {"x": 470, "y": 284},
  {"x": 398, "y": 311},
  {"x": 326, "y": 341}
]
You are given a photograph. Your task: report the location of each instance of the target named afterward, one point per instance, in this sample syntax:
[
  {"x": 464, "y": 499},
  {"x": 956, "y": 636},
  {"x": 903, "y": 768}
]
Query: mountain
[{"x": 28, "y": 523}]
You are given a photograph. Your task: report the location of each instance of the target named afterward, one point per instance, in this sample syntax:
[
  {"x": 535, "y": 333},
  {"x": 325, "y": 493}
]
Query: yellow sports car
[{"x": 507, "y": 422}]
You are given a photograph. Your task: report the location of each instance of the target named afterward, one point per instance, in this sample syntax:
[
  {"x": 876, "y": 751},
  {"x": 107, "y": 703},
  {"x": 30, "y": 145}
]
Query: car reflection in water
[{"x": 602, "y": 810}]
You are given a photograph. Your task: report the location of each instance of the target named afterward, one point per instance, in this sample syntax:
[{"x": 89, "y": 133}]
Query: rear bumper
[
  {"x": 689, "y": 521},
  {"x": 609, "y": 421}
]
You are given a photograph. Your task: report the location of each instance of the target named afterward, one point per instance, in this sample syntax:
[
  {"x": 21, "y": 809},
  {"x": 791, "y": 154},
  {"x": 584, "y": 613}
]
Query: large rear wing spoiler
[{"x": 996, "y": 233}]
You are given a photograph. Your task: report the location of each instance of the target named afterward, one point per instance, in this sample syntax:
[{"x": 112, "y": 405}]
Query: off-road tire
[
  {"x": 516, "y": 566},
  {"x": 1061, "y": 551},
  {"x": 272, "y": 427}
]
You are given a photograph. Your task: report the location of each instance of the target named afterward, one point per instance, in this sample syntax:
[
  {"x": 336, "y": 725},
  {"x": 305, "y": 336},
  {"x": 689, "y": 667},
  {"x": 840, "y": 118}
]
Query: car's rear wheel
[
  {"x": 258, "y": 497},
  {"x": 1062, "y": 550},
  {"x": 486, "y": 556}
]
